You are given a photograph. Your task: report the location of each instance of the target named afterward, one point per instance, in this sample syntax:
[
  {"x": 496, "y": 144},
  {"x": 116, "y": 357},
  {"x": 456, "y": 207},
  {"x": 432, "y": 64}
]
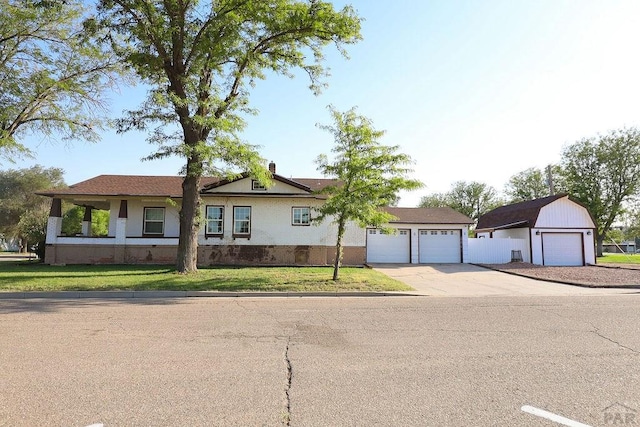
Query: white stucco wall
[{"x": 271, "y": 224}]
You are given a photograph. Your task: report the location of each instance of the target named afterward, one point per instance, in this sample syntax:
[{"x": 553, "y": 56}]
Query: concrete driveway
[{"x": 471, "y": 280}]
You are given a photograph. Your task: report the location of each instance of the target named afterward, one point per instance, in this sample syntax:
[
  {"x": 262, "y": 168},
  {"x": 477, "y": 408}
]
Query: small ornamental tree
[{"x": 368, "y": 176}]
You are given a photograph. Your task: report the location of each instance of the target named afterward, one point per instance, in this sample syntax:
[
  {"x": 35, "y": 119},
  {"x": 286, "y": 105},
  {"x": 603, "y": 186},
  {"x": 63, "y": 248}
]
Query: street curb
[
  {"x": 562, "y": 282},
  {"x": 189, "y": 294}
]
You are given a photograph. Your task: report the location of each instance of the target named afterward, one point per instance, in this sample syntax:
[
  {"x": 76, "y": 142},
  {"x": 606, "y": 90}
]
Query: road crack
[
  {"x": 601, "y": 335},
  {"x": 287, "y": 388}
]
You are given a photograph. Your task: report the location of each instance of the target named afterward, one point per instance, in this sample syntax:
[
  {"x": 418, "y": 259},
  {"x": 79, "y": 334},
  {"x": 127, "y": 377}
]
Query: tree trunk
[
  {"x": 189, "y": 224},
  {"x": 338, "y": 260},
  {"x": 599, "y": 241}
]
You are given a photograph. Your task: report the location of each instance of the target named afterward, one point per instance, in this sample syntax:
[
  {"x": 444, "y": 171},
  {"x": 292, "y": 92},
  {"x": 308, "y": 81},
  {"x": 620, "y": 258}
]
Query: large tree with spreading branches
[
  {"x": 603, "y": 173},
  {"x": 200, "y": 59},
  {"x": 52, "y": 76}
]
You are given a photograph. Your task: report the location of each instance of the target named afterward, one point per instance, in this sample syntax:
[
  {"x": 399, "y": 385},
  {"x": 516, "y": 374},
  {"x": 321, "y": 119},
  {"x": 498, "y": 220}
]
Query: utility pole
[{"x": 550, "y": 181}]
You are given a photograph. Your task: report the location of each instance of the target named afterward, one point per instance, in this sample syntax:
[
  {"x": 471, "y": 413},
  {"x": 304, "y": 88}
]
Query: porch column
[
  {"x": 121, "y": 233},
  {"x": 54, "y": 223},
  {"x": 86, "y": 222}
]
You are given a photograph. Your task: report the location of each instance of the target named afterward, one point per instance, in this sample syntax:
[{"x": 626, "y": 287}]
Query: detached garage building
[
  {"x": 422, "y": 236},
  {"x": 558, "y": 230}
]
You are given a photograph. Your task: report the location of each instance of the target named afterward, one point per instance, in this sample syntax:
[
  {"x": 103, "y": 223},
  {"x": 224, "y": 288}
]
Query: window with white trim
[
  {"x": 153, "y": 223},
  {"x": 403, "y": 232},
  {"x": 300, "y": 216},
  {"x": 256, "y": 186},
  {"x": 214, "y": 220},
  {"x": 241, "y": 220}
]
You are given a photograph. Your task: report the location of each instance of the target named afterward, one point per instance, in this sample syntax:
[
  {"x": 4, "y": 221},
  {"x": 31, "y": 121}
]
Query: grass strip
[{"x": 27, "y": 276}]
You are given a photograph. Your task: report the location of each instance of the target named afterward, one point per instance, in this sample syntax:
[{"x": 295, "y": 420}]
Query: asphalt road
[{"x": 395, "y": 361}]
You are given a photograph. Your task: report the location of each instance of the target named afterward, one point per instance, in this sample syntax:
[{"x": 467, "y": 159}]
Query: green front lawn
[
  {"x": 26, "y": 276},
  {"x": 620, "y": 258}
]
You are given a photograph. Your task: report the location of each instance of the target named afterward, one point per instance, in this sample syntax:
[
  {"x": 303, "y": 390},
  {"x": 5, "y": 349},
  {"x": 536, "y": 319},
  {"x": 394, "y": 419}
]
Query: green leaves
[
  {"x": 18, "y": 198},
  {"x": 201, "y": 60},
  {"x": 603, "y": 172},
  {"x": 368, "y": 175},
  {"x": 52, "y": 77},
  {"x": 472, "y": 199}
]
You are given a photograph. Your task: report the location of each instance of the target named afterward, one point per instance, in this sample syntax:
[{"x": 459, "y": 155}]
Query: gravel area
[{"x": 611, "y": 275}]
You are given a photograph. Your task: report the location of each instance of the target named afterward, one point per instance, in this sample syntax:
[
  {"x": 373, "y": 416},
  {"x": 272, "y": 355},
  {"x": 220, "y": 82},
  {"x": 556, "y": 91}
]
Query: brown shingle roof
[
  {"x": 157, "y": 186},
  {"x": 523, "y": 214},
  {"x": 315, "y": 184},
  {"x": 444, "y": 215}
]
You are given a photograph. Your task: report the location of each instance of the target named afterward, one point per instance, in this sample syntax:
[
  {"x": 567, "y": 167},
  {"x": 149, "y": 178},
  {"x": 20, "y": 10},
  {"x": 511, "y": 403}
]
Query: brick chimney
[{"x": 272, "y": 167}]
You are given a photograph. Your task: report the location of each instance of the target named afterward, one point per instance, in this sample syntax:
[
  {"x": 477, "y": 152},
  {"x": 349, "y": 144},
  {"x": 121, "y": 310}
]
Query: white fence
[{"x": 496, "y": 251}]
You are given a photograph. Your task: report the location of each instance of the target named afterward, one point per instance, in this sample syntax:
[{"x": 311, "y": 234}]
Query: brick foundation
[{"x": 207, "y": 255}]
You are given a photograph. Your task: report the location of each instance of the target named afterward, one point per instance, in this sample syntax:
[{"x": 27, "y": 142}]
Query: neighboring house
[
  {"x": 9, "y": 245},
  {"x": 242, "y": 223},
  {"x": 555, "y": 230},
  {"x": 628, "y": 247}
]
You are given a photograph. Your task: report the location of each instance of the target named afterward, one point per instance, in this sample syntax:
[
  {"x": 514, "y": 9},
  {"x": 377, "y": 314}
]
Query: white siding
[
  {"x": 563, "y": 213},
  {"x": 496, "y": 250},
  {"x": 244, "y": 186},
  {"x": 587, "y": 235},
  {"x": 517, "y": 233}
]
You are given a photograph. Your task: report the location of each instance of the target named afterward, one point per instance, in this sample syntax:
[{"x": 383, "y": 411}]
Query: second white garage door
[
  {"x": 388, "y": 248},
  {"x": 440, "y": 246},
  {"x": 562, "y": 249}
]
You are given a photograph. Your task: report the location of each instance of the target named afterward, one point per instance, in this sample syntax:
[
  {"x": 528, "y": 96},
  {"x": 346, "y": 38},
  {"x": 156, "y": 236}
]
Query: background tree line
[
  {"x": 601, "y": 172},
  {"x": 24, "y": 214},
  {"x": 59, "y": 59}
]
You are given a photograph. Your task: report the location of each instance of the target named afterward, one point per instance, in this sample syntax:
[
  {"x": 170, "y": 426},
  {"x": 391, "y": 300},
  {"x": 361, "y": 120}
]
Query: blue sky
[{"x": 471, "y": 90}]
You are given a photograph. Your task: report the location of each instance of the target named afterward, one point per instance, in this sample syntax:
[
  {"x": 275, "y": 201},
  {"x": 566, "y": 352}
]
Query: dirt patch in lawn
[{"x": 592, "y": 276}]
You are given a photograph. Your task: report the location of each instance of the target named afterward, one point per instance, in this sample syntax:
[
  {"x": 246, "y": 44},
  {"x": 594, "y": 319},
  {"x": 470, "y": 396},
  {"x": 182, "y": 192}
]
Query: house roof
[
  {"x": 159, "y": 186},
  {"x": 443, "y": 215},
  {"x": 523, "y": 214}
]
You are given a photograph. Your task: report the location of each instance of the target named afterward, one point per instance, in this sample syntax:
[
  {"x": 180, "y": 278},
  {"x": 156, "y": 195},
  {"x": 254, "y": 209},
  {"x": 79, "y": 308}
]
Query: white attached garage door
[
  {"x": 440, "y": 246},
  {"x": 562, "y": 249},
  {"x": 388, "y": 248}
]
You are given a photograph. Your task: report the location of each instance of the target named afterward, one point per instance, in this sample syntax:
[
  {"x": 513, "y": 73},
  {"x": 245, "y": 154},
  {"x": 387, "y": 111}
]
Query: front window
[
  {"x": 241, "y": 220},
  {"x": 214, "y": 220},
  {"x": 153, "y": 221},
  {"x": 300, "y": 216}
]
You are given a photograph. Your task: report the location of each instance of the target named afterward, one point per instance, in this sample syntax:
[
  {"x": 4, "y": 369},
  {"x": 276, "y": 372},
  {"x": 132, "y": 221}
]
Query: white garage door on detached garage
[
  {"x": 388, "y": 248},
  {"x": 440, "y": 246},
  {"x": 562, "y": 249}
]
